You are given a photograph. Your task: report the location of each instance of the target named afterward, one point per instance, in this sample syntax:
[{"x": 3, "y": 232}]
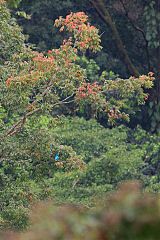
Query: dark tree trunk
[
  {"x": 158, "y": 52},
  {"x": 100, "y": 7}
]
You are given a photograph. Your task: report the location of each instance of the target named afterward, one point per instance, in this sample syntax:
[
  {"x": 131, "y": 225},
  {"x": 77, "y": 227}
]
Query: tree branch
[
  {"x": 137, "y": 28},
  {"x": 18, "y": 125},
  {"x": 103, "y": 12}
]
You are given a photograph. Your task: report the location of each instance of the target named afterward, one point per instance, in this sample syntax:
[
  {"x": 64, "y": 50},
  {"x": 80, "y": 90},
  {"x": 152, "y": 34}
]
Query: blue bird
[{"x": 56, "y": 158}]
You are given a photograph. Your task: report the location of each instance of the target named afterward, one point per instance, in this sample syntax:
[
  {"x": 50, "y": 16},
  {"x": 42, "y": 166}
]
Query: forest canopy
[{"x": 79, "y": 116}]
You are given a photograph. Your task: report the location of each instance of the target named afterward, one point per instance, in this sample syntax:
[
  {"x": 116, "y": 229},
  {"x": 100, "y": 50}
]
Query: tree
[
  {"x": 149, "y": 12},
  {"x": 134, "y": 51},
  {"x": 131, "y": 14},
  {"x": 40, "y": 81},
  {"x": 11, "y": 38}
]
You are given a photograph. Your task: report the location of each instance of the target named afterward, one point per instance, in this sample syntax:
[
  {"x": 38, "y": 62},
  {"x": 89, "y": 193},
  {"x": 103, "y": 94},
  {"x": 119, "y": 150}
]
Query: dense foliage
[
  {"x": 64, "y": 132},
  {"x": 88, "y": 167}
]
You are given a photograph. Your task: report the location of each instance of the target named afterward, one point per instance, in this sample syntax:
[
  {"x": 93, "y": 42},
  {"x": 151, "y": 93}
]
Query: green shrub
[
  {"x": 11, "y": 38},
  {"x": 15, "y": 201},
  {"x": 88, "y": 138},
  {"x": 66, "y": 188},
  {"x": 29, "y": 172},
  {"x": 115, "y": 166}
]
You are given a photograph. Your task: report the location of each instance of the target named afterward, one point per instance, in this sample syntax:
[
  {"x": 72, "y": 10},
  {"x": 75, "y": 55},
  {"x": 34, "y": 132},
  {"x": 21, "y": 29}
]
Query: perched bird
[{"x": 56, "y": 158}]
